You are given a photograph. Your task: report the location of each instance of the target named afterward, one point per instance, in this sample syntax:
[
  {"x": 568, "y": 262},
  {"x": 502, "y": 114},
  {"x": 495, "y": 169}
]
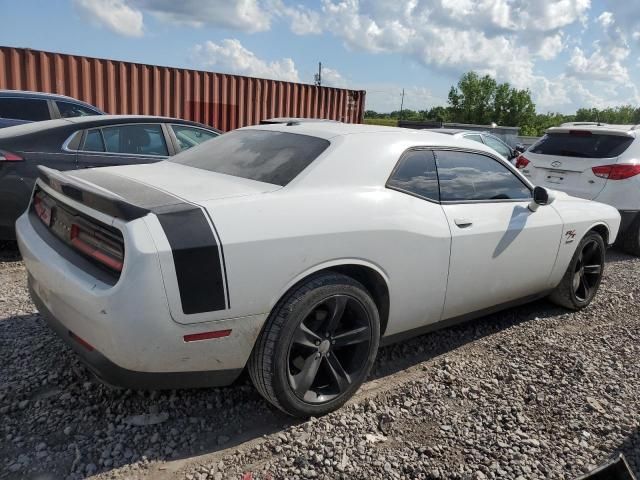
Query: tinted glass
[
  {"x": 474, "y": 136},
  {"x": 497, "y": 145},
  {"x": 469, "y": 176},
  {"x": 68, "y": 110},
  {"x": 93, "y": 142},
  {"x": 416, "y": 173},
  {"x": 262, "y": 155},
  {"x": 190, "y": 137},
  {"x": 135, "y": 139},
  {"x": 24, "y": 109},
  {"x": 582, "y": 144}
]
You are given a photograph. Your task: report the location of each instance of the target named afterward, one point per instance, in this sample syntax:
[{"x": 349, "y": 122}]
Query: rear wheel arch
[{"x": 369, "y": 275}]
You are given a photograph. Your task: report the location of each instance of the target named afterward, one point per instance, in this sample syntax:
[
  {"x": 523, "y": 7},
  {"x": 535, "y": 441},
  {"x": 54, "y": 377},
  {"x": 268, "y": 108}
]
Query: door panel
[{"x": 499, "y": 252}]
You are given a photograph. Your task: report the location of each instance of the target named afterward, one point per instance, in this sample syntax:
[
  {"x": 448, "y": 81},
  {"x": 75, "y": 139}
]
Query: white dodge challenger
[{"x": 294, "y": 251}]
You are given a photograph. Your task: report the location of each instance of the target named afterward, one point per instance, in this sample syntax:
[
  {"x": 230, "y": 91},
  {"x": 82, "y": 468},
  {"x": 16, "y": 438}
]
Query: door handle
[{"x": 463, "y": 222}]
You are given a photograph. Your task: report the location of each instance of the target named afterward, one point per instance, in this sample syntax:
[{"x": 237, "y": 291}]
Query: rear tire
[
  {"x": 631, "y": 239},
  {"x": 583, "y": 276},
  {"x": 317, "y": 346}
]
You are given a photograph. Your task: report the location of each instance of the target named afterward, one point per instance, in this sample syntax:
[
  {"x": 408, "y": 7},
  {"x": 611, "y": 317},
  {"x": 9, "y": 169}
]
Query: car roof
[
  {"x": 295, "y": 119},
  {"x": 454, "y": 131},
  {"x": 331, "y": 130},
  {"x": 94, "y": 121},
  {"x": 43, "y": 96}
]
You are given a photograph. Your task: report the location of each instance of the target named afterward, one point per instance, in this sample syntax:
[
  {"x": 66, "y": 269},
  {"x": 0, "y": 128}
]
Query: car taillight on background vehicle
[
  {"x": 616, "y": 172},
  {"x": 98, "y": 246},
  {"x": 522, "y": 162},
  {"x": 9, "y": 157}
]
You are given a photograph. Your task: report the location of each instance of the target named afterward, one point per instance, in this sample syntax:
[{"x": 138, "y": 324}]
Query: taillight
[
  {"x": 9, "y": 157},
  {"x": 98, "y": 246},
  {"x": 616, "y": 172},
  {"x": 522, "y": 162}
]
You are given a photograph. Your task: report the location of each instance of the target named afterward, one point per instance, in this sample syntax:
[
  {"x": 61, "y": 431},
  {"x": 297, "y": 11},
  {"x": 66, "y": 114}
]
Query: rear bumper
[
  {"x": 628, "y": 218},
  {"x": 110, "y": 373},
  {"x": 136, "y": 342}
]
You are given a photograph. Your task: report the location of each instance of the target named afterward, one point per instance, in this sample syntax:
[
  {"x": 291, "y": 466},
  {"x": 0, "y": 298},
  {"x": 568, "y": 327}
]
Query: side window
[
  {"x": 416, "y": 174},
  {"x": 24, "y": 109},
  {"x": 498, "y": 146},
  {"x": 191, "y": 136},
  {"x": 93, "y": 141},
  {"x": 468, "y": 176},
  {"x": 476, "y": 137},
  {"x": 135, "y": 139},
  {"x": 69, "y": 110}
]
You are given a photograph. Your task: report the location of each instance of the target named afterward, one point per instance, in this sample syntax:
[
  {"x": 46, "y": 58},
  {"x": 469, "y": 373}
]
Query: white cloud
[
  {"x": 550, "y": 47},
  {"x": 333, "y": 78},
  {"x": 244, "y": 15},
  {"x": 115, "y": 15},
  {"x": 230, "y": 56},
  {"x": 605, "y": 19},
  {"x": 302, "y": 20}
]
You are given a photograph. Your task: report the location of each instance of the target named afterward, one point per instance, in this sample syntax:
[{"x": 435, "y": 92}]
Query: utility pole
[
  {"x": 401, "y": 104},
  {"x": 318, "y": 76}
]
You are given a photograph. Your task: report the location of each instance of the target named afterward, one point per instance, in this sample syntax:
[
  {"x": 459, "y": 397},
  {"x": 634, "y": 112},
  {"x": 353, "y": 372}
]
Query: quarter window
[
  {"x": 498, "y": 146},
  {"x": 190, "y": 136},
  {"x": 24, "y": 109},
  {"x": 468, "y": 176},
  {"x": 416, "y": 174},
  {"x": 93, "y": 141},
  {"x": 70, "y": 110}
]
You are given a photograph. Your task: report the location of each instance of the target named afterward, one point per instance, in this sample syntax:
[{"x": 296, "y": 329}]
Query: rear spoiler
[
  {"x": 594, "y": 130},
  {"x": 100, "y": 200}
]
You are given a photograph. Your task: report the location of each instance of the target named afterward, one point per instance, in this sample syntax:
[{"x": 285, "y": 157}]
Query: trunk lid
[{"x": 188, "y": 183}]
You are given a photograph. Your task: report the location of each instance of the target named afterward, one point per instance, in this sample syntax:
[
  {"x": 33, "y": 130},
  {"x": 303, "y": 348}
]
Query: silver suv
[{"x": 594, "y": 161}]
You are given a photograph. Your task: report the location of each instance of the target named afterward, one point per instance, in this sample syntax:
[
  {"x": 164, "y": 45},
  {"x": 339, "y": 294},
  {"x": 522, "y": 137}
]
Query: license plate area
[{"x": 556, "y": 177}]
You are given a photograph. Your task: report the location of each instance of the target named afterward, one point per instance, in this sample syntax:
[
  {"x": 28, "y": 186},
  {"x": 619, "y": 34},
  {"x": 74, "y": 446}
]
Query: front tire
[
  {"x": 317, "y": 346},
  {"x": 583, "y": 276}
]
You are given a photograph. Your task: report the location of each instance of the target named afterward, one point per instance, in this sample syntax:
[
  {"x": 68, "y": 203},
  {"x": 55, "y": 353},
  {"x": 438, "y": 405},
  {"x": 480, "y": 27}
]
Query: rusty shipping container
[{"x": 221, "y": 100}]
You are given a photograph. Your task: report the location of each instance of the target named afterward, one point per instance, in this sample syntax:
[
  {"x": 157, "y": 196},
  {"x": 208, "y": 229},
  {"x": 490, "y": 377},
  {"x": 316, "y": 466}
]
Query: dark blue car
[{"x": 18, "y": 107}]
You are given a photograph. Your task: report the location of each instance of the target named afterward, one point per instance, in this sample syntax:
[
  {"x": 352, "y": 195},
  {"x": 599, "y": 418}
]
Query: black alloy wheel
[
  {"x": 317, "y": 346},
  {"x": 329, "y": 349},
  {"x": 588, "y": 270}
]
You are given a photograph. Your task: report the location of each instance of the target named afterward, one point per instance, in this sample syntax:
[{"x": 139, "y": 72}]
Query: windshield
[
  {"x": 261, "y": 155},
  {"x": 582, "y": 144}
]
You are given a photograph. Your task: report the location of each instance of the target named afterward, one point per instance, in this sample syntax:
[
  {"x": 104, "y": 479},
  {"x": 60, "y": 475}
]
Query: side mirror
[
  {"x": 541, "y": 197},
  {"x": 520, "y": 148}
]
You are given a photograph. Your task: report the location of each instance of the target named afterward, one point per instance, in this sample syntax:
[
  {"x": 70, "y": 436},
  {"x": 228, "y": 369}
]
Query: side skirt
[{"x": 431, "y": 327}]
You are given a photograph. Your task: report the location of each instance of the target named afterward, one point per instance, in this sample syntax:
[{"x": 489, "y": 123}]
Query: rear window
[
  {"x": 582, "y": 144},
  {"x": 261, "y": 155}
]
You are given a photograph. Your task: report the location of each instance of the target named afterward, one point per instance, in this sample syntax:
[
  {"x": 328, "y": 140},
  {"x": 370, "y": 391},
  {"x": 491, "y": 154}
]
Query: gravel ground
[{"x": 532, "y": 392}]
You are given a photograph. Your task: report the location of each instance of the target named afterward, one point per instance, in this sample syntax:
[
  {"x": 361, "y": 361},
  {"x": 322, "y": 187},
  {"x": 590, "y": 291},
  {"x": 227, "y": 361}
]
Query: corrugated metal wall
[{"x": 221, "y": 100}]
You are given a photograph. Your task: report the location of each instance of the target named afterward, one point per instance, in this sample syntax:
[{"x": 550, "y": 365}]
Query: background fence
[{"x": 221, "y": 100}]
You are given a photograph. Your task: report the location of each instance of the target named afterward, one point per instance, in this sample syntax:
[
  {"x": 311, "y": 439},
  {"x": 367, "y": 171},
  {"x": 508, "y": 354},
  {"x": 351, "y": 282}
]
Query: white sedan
[{"x": 295, "y": 251}]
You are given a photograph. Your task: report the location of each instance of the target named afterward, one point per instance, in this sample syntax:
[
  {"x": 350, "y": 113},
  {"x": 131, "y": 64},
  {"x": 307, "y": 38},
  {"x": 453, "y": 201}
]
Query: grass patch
[{"x": 387, "y": 122}]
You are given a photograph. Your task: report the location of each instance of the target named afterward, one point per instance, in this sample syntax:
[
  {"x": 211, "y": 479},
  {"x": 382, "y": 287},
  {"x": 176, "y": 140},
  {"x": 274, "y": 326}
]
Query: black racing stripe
[
  {"x": 224, "y": 262},
  {"x": 196, "y": 257}
]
